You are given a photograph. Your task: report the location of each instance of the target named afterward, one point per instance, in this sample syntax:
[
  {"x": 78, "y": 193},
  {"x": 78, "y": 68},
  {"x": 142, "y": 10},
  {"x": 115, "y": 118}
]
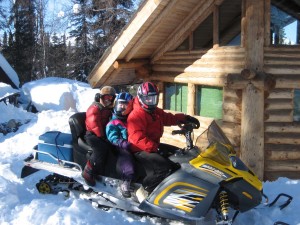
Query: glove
[
  {"x": 123, "y": 144},
  {"x": 193, "y": 120}
]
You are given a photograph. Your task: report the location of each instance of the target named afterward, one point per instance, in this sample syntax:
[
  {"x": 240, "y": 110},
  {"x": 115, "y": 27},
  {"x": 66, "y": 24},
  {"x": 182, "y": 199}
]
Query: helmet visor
[{"x": 149, "y": 100}]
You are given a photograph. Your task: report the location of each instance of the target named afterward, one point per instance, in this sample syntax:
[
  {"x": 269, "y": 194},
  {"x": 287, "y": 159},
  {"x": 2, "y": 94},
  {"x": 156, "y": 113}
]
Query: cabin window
[
  {"x": 209, "y": 101},
  {"x": 297, "y": 105},
  {"x": 203, "y": 35},
  {"x": 285, "y": 24},
  {"x": 230, "y": 23},
  {"x": 184, "y": 45},
  {"x": 176, "y": 97}
]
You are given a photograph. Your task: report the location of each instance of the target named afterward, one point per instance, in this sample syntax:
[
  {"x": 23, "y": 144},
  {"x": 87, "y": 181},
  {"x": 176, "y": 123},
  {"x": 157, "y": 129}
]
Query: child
[{"x": 116, "y": 132}]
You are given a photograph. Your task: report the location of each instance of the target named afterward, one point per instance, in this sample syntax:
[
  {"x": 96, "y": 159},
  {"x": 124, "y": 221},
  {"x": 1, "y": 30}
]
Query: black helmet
[
  {"x": 121, "y": 104},
  {"x": 148, "y": 96}
]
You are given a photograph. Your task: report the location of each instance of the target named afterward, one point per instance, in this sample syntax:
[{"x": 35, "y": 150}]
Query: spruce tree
[
  {"x": 95, "y": 26},
  {"x": 24, "y": 39}
]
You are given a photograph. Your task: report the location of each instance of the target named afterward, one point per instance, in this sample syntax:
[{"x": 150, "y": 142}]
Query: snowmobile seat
[{"x": 81, "y": 150}]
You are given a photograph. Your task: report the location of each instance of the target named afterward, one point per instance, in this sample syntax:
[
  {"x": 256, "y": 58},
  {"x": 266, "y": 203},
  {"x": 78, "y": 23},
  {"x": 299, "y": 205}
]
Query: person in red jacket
[
  {"x": 97, "y": 117},
  {"x": 145, "y": 126}
]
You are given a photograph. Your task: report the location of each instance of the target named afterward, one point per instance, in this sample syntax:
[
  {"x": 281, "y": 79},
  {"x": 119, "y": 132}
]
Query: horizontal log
[
  {"x": 281, "y": 55},
  {"x": 261, "y": 81},
  {"x": 283, "y": 165},
  {"x": 180, "y": 68},
  {"x": 282, "y": 69},
  {"x": 179, "y": 57},
  {"x": 274, "y": 175},
  {"x": 194, "y": 52},
  {"x": 232, "y": 111},
  {"x": 232, "y": 105},
  {"x": 282, "y": 138},
  {"x": 282, "y": 147},
  {"x": 283, "y": 81},
  {"x": 281, "y": 94},
  {"x": 186, "y": 62},
  {"x": 212, "y": 62},
  {"x": 195, "y": 78},
  {"x": 219, "y": 50},
  {"x": 231, "y": 118},
  {"x": 131, "y": 64},
  {"x": 282, "y": 155},
  {"x": 279, "y": 49},
  {"x": 277, "y": 104},
  {"x": 277, "y": 118},
  {"x": 232, "y": 93},
  {"x": 220, "y": 61},
  {"x": 269, "y": 62},
  {"x": 277, "y": 127},
  {"x": 279, "y": 112}
]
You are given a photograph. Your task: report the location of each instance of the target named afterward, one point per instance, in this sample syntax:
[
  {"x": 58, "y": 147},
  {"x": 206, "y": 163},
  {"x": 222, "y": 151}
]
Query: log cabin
[{"x": 235, "y": 61}]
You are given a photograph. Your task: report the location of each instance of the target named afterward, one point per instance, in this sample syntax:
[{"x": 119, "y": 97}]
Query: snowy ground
[{"x": 20, "y": 203}]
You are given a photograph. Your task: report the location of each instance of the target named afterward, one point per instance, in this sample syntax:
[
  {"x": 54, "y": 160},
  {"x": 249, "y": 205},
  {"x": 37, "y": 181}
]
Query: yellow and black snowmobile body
[{"x": 215, "y": 178}]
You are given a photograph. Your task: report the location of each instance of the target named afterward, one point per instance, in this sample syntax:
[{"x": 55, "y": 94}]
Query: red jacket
[
  {"x": 145, "y": 129},
  {"x": 97, "y": 117}
]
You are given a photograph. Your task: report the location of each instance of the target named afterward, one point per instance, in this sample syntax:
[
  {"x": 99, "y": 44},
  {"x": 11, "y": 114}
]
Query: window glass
[
  {"x": 297, "y": 105},
  {"x": 209, "y": 101},
  {"x": 230, "y": 23},
  {"x": 285, "y": 28},
  {"x": 176, "y": 97},
  {"x": 203, "y": 34},
  {"x": 184, "y": 45}
]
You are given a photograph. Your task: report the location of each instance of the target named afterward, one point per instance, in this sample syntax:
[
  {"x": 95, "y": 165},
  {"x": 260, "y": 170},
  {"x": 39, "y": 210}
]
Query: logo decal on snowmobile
[
  {"x": 186, "y": 197},
  {"x": 214, "y": 171}
]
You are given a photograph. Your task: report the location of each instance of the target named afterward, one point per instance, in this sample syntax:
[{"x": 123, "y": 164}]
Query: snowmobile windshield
[{"x": 214, "y": 144}]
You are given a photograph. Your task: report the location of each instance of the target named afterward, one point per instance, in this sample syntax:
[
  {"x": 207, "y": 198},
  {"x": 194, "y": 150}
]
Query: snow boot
[
  {"x": 125, "y": 188},
  {"x": 88, "y": 174},
  {"x": 141, "y": 194}
]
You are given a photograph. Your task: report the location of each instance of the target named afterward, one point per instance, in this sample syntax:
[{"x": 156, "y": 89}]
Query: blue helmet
[{"x": 121, "y": 108}]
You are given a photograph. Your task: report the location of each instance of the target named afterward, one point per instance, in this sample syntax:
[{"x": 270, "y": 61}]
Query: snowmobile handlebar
[{"x": 186, "y": 130}]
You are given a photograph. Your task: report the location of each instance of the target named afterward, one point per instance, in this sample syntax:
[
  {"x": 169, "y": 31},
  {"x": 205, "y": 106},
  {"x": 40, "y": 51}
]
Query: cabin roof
[{"x": 158, "y": 26}]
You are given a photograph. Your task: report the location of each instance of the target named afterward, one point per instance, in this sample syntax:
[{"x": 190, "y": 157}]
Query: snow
[
  {"x": 20, "y": 203},
  {"x": 9, "y": 71},
  {"x": 6, "y": 90}
]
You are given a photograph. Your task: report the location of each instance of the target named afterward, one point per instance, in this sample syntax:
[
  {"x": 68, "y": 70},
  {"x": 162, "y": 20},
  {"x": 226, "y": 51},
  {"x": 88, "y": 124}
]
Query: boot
[
  {"x": 88, "y": 174},
  {"x": 141, "y": 194},
  {"x": 125, "y": 188}
]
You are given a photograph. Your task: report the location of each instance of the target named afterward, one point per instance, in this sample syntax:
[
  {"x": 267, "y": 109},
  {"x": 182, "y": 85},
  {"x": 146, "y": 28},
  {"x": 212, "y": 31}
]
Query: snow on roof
[
  {"x": 6, "y": 90},
  {"x": 11, "y": 73}
]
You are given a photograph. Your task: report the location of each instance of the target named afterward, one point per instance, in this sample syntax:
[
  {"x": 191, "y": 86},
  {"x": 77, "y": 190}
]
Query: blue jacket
[{"x": 116, "y": 130}]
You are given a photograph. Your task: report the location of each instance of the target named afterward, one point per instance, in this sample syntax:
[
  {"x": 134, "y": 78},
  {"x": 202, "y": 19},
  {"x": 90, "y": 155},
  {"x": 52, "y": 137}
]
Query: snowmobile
[{"x": 210, "y": 177}]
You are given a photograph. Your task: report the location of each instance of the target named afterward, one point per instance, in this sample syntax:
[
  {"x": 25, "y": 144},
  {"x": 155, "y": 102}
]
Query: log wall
[
  {"x": 207, "y": 67},
  {"x": 282, "y": 133}
]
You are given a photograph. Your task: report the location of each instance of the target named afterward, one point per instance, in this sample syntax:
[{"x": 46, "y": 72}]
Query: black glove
[{"x": 193, "y": 120}]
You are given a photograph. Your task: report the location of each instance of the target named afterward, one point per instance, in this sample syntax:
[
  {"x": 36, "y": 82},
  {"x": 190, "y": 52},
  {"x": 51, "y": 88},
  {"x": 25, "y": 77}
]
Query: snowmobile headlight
[{"x": 238, "y": 164}]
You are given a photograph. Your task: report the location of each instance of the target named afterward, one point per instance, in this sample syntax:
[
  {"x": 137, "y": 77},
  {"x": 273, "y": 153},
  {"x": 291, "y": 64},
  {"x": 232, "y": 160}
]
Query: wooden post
[
  {"x": 191, "y": 99},
  {"x": 160, "y": 86},
  {"x": 216, "y": 36},
  {"x": 252, "y": 129},
  {"x": 252, "y": 123}
]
